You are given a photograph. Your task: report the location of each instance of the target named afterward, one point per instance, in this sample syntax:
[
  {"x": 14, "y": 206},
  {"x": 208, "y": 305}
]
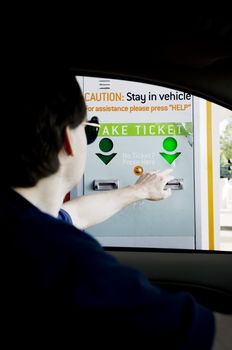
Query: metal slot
[
  {"x": 105, "y": 185},
  {"x": 175, "y": 184}
]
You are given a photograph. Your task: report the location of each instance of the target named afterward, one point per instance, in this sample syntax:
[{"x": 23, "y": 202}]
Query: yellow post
[{"x": 210, "y": 175}]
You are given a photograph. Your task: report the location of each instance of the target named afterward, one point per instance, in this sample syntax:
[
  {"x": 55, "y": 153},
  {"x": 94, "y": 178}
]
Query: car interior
[
  {"x": 195, "y": 59},
  {"x": 198, "y": 61}
]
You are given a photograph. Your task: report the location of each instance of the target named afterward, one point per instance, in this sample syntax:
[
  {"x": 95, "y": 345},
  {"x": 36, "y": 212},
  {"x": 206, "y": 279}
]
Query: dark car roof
[
  {"x": 190, "y": 54},
  {"x": 175, "y": 50}
]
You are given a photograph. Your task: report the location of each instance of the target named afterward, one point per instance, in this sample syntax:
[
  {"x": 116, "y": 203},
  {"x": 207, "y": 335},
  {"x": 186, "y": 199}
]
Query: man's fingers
[
  {"x": 167, "y": 193},
  {"x": 165, "y": 172},
  {"x": 155, "y": 172},
  {"x": 160, "y": 172},
  {"x": 168, "y": 178}
]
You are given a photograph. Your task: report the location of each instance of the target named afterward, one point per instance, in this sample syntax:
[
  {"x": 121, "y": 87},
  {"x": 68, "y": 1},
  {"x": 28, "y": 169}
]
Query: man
[{"x": 59, "y": 284}]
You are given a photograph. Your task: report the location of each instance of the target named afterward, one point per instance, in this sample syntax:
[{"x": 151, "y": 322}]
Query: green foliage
[{"x": 226, "y": 150}]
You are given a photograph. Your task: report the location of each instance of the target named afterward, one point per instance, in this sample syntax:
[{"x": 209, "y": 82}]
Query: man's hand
[
  {"x": 90, "y": 210},
  {"x": 151, "y": 185}
]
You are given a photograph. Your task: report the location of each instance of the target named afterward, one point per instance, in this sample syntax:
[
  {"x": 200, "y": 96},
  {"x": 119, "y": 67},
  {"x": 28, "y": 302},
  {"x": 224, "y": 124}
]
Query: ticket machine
[{"x": 144, "y": 128}]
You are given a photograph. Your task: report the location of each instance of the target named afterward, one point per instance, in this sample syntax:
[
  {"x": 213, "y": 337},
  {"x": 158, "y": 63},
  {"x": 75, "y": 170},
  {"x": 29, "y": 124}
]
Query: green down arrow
[
  {"x": 170, "y": 157},
  {"x": 106, "y": 159}
]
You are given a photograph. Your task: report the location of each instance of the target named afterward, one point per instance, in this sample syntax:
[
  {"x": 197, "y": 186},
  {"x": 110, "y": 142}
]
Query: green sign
[
  {"x": 169, "y": 145},
  {"x": 143, "y": 129},
  {"x": 106, "y": 145}
]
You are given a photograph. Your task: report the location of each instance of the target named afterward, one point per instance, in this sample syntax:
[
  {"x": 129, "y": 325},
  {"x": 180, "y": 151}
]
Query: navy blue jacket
[{"x": 58, "y": 283}]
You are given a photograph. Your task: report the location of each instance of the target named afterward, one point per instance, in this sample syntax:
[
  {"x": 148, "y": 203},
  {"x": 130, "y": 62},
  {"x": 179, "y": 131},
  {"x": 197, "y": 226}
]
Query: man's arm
[
  {"x": 223, "y": 332},
  {"x": 93, "y": 209}
]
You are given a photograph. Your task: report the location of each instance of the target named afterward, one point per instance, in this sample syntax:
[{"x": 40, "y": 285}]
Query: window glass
[
  {"x": 144, "y": 128},
  {"x": 225, "y": 237}
]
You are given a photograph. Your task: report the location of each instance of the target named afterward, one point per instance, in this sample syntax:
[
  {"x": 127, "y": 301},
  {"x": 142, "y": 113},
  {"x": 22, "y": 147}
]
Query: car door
[{"x": 176, "y": 242}]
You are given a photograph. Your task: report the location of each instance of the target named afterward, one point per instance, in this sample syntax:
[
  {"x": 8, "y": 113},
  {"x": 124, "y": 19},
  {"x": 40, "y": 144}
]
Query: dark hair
[{"x": 38, "y": 108}]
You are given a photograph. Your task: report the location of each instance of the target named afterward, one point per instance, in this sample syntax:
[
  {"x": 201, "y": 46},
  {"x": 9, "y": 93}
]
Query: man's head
[{"x": 41, "y": 112}]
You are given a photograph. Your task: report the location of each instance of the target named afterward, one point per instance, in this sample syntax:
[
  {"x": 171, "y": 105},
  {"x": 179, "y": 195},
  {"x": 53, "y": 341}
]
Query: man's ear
[{"x": 68, "y": 142}]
